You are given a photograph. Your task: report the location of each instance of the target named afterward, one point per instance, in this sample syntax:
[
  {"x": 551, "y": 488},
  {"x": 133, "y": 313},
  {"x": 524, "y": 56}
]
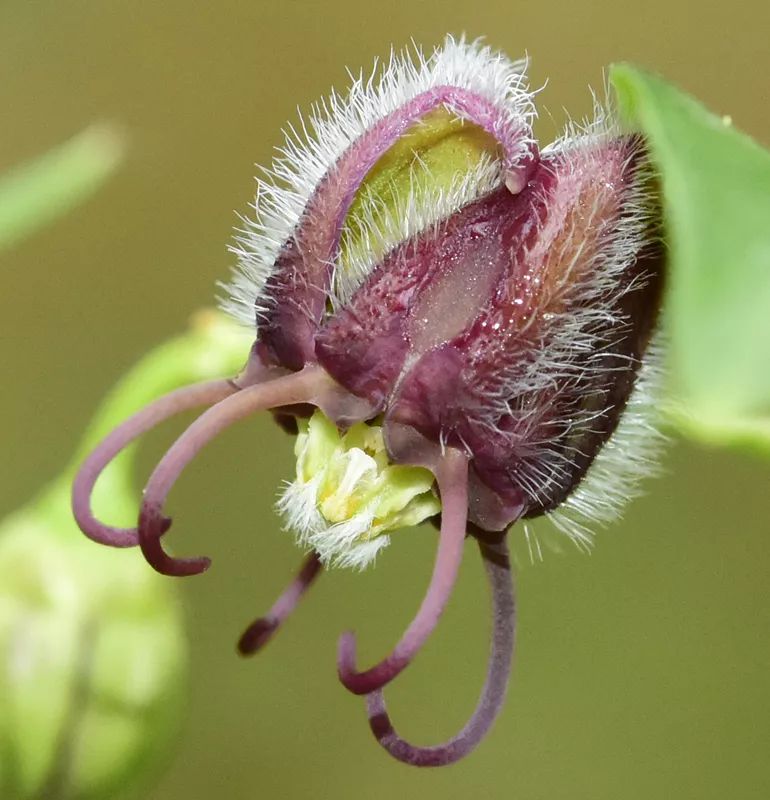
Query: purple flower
[{"x": 478, "y": 348}]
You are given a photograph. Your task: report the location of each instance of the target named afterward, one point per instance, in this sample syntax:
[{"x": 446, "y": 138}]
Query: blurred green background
[{"x": 642, "y": 671}]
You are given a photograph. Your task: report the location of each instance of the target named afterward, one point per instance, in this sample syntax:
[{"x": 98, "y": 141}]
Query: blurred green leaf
[
  {"x": 716, "y": 188},
  {"x": 35, "y": 193},
  {"x": 93, "y": 658}
]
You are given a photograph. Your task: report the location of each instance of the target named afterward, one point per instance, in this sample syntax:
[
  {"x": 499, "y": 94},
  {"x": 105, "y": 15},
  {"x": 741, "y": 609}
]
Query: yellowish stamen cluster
[{"x": 347, "y": 496}]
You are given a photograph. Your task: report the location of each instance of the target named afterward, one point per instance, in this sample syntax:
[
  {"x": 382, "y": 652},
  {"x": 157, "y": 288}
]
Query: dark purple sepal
[{"x": 535, "y": 384}]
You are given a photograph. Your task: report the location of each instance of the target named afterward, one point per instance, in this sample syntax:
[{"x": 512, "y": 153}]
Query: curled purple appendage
[
  {"x": 300, "y": 387},
  {"x": 496, "y": 563},
  {"x": 189, "y": 397},
  {"x": 259, "y": 633},
  {"x": 152, "y": 524},
  {"x": 452, "y": 478}
]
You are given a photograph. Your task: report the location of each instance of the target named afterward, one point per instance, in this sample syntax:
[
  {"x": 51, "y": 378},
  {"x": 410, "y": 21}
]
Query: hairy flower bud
[{"x": 453, "y": 320}]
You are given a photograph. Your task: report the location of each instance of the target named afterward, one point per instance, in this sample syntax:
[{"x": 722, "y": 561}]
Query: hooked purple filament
[
  {"x": 305, "y": 386},
  {"x": 452, "y": 479},
  {"x": 497, "y": 567},
  {"x": 184, "y": 399},
  {"x": 259, "y": 633}
]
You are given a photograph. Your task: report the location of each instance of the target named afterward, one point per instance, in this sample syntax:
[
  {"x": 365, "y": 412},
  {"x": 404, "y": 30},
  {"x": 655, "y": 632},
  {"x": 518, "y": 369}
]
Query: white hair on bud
[
  {"x": 333, "y": 125},
  {"x": 629, "y": 455}
]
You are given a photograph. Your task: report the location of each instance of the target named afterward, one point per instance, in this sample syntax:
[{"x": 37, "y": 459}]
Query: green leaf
[
  {"x": 716, "y": 190},
  {"x": 35, "y": 193}
]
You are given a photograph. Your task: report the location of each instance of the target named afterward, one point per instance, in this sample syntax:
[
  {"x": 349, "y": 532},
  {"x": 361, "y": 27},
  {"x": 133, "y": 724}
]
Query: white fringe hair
[{"x": 632, "y": 452}]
